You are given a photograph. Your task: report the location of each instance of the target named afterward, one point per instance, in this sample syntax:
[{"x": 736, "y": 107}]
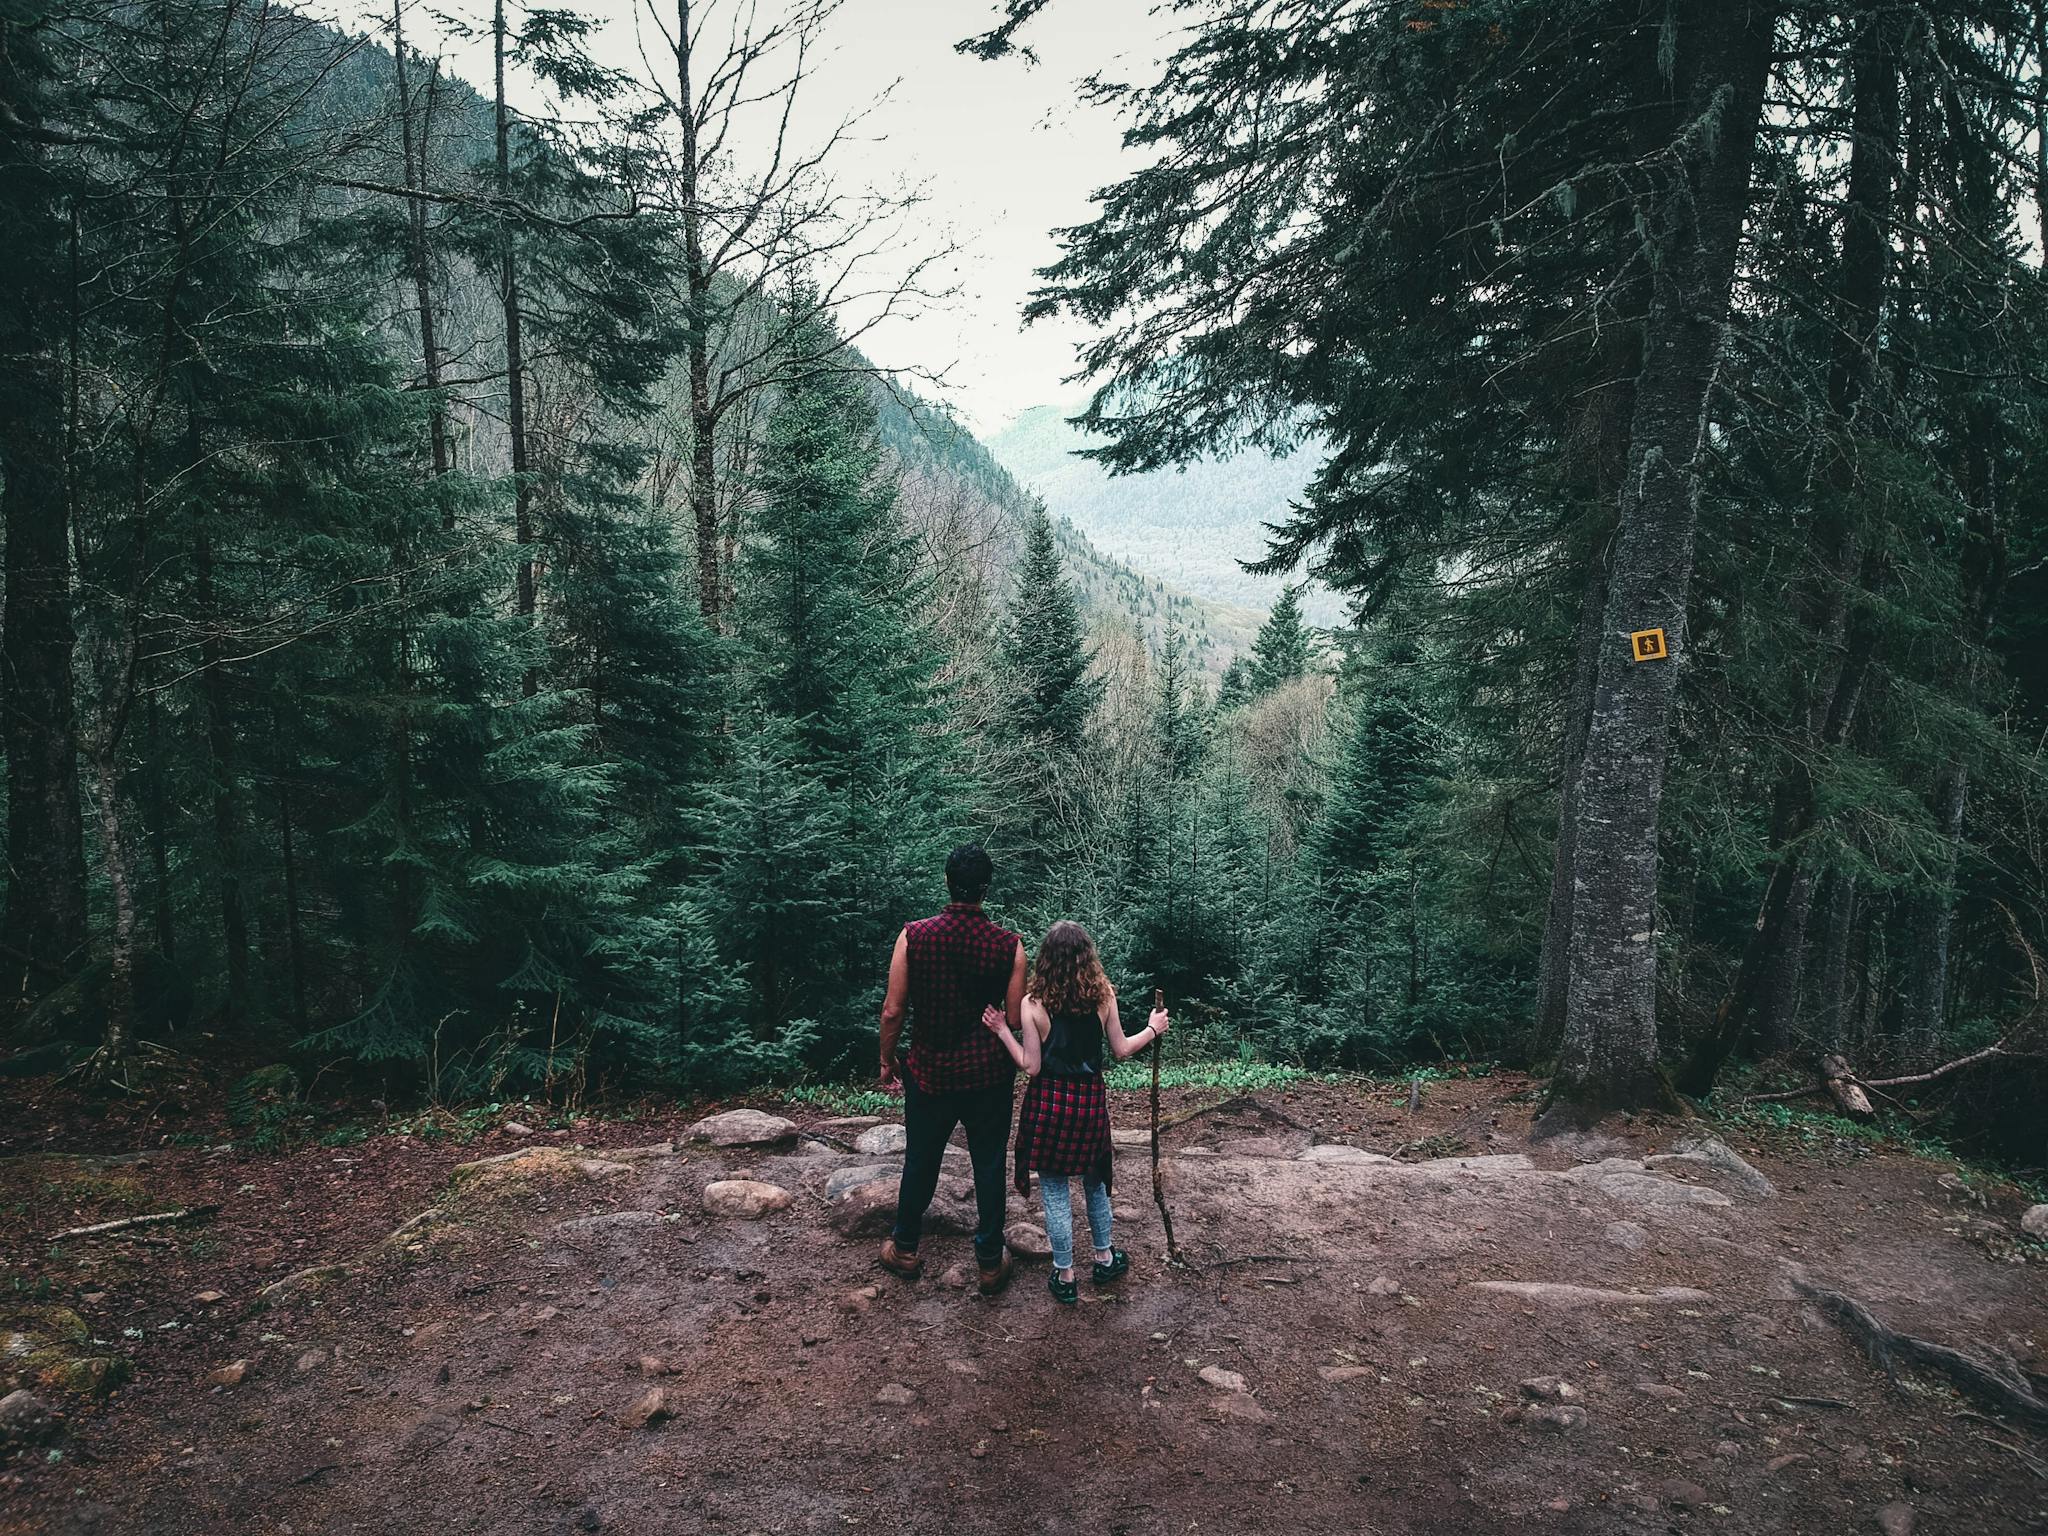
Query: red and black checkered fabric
[
  {"x": 1063, "y": 1128},
  {"x": 959, "y": 963}
]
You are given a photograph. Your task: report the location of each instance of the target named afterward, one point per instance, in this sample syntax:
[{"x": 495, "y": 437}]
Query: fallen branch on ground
[
  {"x": 1997, "y": 1381},
  {"x": 130, "y": 1223}
]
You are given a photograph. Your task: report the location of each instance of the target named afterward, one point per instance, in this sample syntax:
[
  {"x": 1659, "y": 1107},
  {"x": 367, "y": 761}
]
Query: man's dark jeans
[{"x": 928, "y": 1121}]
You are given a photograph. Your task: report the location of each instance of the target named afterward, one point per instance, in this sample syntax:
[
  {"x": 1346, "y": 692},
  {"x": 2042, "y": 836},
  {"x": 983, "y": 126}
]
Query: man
[{"x": 946, "y": 972}]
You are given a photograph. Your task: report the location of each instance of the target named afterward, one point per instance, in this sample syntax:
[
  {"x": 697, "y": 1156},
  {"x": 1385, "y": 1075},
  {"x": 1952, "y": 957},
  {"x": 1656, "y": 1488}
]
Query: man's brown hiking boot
[
  {"x": 994, "y": 1279},
  {"x": 897, "y": 1262}
]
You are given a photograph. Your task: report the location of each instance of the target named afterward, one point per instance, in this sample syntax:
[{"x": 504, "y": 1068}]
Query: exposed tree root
[{"x": 1997, "y": 1381}]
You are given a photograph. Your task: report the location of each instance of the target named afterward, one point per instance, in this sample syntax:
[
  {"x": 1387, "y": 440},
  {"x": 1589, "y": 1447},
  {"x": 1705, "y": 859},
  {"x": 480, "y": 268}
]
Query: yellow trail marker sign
[{"x": 1648, "y": 644}]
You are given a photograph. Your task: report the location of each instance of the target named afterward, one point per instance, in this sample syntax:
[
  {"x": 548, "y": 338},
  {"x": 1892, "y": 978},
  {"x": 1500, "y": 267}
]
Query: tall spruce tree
[{"x": 1280, "y": 652}]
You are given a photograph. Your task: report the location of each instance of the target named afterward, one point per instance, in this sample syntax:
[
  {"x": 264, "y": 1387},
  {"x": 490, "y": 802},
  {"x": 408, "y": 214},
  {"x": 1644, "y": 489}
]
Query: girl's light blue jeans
[{"x": 1056, "y": 1191}]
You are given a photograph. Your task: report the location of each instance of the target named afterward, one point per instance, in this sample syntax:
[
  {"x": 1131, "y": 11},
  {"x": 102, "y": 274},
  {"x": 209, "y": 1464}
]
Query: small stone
[
  {"x": 1549, "y": 1389},
  {"x": 980, "y": 1449},
  {"x": 1338, "y": 1152},
  {"x": 841, "y": 1181},
  {"x": 1727, "y": 1450},
  {"x": 24, "y": 1419},
  {"x": 964, "y": 1368},
  {"x": 895, "y": 1395},
  {"x": 1382, "y": 1286},
  {"x": 1239, "y": 1405},
  {"x": 229, "y": 1375},
  {"x": 1226, "y": 1381},
  {"x": 957, "y": 1277},
  {"x": 882, "y": 1141},
  {"x": 1658, "y": 1390},
  {"x": 743, "y": 1128},
  {"x": 1896, "y": 1520},
  {"x": 1680, "y": 1494},
  {"x": 1559, "y": 1418},
  {"x": 653, "y": 1365},
  {"x": 1778, "y": 1464},
  {"x": 208, "y": 1298},
  {"x": 1028, "y": 1240},
  {"x": 311, "y": 1360},
  {"x": 745, "y": 1199},
  {"x": 1558, "y": 1506},
  {"x": 514, "y": 1128},
  {"x": 2035, "y": 1222},
  {"x": 857, "y": 1301},
  {"x": 649, "y": 1408},
  {"x": 1344, "y": 1372}
]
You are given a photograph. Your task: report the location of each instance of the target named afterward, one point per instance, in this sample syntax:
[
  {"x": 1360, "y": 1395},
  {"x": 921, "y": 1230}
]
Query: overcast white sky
[{"x": 1007, "y": 152}]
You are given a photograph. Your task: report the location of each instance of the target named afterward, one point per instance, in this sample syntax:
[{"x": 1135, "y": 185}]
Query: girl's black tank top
[{"x": 1074, "y": 1047}]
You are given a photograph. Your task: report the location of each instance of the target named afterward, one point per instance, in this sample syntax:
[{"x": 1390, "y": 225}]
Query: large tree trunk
[
  {"x": 46, "y": 903},
  {"x": 45, "y": 836},
  {"x": 1833, "y": 997},
  {"x": 515, "y": 354},
  {"x": 1767, "y": 986},
  {"x": 1609, "y": 1055},
  {"x": 418, "y": 257},
  {"x": 697, "y": 275},
  {"x": 220, "y": 751},
  {"x": 1555, "y": 966}
]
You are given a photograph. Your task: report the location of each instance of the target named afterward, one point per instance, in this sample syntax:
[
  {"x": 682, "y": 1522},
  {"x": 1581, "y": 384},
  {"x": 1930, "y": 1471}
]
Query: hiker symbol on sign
[{"x": 1648, "y": 644}]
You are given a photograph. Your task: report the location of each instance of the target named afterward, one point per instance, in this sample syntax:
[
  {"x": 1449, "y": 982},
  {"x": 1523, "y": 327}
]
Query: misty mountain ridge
[{"x": 1190, "y": 527}]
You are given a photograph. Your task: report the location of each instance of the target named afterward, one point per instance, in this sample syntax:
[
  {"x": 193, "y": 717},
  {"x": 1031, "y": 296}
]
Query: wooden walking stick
[{"x": 1158, "y": 1188}]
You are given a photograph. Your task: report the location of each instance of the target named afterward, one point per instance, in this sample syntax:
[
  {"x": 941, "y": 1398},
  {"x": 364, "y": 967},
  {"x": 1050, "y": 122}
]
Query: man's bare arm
[
  {"x": 1013, "y": 1002},
  {"x": 895, "y": 1002}
]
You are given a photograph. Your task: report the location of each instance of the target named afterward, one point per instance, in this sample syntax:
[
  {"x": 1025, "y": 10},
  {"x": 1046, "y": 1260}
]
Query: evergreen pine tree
[{"x": 1280, "y": 653}]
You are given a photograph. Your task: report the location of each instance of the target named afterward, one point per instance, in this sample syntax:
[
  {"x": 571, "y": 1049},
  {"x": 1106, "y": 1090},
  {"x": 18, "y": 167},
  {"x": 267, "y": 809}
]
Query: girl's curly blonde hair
[{"x": 1067, "y": 977}]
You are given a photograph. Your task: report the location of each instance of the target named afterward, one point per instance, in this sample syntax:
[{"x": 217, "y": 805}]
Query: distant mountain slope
[
  {"x": 1188, "y": 527},
  {"x": 925, "y": 438}
]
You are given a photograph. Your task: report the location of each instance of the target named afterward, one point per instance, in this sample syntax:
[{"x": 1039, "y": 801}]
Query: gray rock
[
  {"x": 840, "y": 1180},
  {"x": 1241, "y": 1406},
  {"x": 1713, "y": 1154},
  {"x": 24, "y": 1419},
  {"x": 1558, "y": 1418},
  {"x": 311, "y": 1360},
  {"x": 1626, "y": 1234},
  {"x": 1655, "y": 1189},
  {"x": 882, "y": 1141},
  {"x": 1224, "y": 1381},
  {"x": 743, "y": 1128},
  {"x": 1549, "y": 1389},
  {"x": 2035, "y": 1222},
  {"x": 1028, "y": 1239},
  {"x": 895, "y": 1395},
  {"x": 1896, "y": 1520},
  {"x": 1380, "y": 1285},
  {"x": 609, "y": 1221},
  {"x": 514, "y": 1128},
  {"x": 647, "y": 1410},
  {"x": 1550, "y": 1294},
  {"x": 869, "y": 1210},
  {"x": 745, "y": 1199},
  {"x": 1337, "y": 1152}
]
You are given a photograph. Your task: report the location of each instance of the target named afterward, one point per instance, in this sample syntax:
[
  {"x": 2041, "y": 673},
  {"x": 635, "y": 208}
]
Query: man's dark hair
[{"x": 968, "y": 872}]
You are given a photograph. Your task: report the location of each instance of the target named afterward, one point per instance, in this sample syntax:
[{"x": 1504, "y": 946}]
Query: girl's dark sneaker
[
  {"x": 1065, "y": 1292},
  {"x": 1118, "y": 1266}
]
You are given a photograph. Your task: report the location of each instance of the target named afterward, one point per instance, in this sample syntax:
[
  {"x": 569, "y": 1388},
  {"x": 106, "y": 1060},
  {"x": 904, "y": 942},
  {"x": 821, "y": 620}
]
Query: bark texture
[{"x": 1609, "y": 1053}]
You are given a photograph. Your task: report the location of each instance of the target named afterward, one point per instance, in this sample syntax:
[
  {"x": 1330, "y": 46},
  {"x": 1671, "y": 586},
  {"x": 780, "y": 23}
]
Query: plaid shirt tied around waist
[{"x": 959, "y": 963}]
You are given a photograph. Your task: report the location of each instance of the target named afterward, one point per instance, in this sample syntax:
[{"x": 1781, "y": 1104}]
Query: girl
[{"x": 1063, "y": 1128}]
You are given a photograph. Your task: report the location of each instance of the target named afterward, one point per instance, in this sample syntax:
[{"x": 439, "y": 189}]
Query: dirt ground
[{"x": 485, "y": 1368}]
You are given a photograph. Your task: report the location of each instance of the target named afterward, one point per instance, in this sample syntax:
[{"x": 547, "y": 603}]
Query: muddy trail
[{"x": 1390, "y": 1321}]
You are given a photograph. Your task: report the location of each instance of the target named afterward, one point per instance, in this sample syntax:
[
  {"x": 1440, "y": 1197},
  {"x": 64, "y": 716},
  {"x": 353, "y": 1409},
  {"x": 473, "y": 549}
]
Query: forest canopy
[{"x": 476, "y": 616}]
